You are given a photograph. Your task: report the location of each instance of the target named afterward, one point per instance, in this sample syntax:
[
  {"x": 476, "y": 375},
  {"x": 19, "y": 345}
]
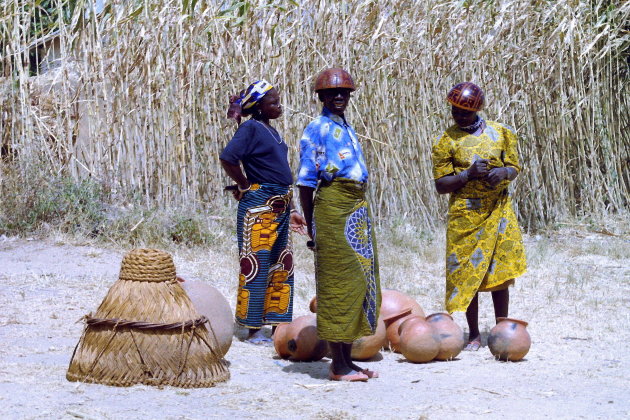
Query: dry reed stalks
[
  {"x": 146, "y": 331},
  {"x": 139, "y": 98}
]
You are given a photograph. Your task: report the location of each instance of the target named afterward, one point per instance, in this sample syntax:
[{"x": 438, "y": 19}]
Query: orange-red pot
[
  {"x": 450, "y": 335},
  {"x": 394, "y": 302},
  {"x": 312, "y": 306},
  {"x": 365, "y": 348},
  {"x": 303, "y": 343},
  {"x": 419, "y": 342},
  {"x": 281, "y": 340},
  {"x": 509, "y": 339}
]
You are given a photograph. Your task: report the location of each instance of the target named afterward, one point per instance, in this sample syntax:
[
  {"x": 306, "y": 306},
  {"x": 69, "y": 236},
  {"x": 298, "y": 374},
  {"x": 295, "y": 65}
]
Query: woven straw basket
[{"x": 146, "y": 331}]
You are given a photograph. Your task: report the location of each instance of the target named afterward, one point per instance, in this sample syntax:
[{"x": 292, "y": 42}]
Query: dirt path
[{"x": 575, "y": 297}]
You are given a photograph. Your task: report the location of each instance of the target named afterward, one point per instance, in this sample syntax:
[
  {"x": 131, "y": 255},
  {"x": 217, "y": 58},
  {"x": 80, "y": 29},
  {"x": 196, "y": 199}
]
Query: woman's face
[
  {"x": 269, "y": 105},
  {"x": 336, "y": 100},
  {"x": 463, "y": 117}
]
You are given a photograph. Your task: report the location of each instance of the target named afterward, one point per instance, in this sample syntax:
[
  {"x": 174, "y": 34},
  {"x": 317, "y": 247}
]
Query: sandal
[
  {"x": 259, "y": 338},
  {"x": 348, "y": 377},
  {"x": 473, "y": 345},
  {"x": 369, "y": 373}
]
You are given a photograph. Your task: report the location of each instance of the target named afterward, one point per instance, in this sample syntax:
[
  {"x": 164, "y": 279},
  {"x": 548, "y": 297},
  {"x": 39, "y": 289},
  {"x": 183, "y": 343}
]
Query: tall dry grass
[{"x": 138, "y": 101}]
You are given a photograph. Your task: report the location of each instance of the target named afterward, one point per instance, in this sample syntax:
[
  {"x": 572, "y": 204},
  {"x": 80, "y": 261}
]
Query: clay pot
[
  {"x": 450, "y": 335},
  {"x": 419, "y": 342},
  {"x": 281, "y": 340},
  {"x": 303, "y": 343},
  {"x": 509, "y": 339},
  {"x": 409, "y": 320},
  {"x": 208, "y": 301},
  {"x": 365, "y": 348},
  {"x": 313, "y": 305},
  {"x": 392, "y": 324},
  {"x": 394, "y": 302}
]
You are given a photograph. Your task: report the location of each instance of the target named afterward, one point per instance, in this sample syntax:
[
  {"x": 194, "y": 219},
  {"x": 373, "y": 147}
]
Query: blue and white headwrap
[{"x": 254, "y": 93}]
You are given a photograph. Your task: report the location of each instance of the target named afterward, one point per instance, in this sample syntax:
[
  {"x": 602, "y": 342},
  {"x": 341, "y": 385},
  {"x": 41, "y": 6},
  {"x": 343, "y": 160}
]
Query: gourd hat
[
  {"x": 335, "y": 78},
  {"x": 466, "y": 95}
]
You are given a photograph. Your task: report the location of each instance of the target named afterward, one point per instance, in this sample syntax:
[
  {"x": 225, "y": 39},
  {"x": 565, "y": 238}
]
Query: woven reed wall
[{"x": 139, "y": 101}]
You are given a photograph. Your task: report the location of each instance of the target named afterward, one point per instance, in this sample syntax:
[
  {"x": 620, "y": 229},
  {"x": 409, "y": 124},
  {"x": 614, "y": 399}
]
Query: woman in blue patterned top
[
  {"x": 338, "y": 222},
  {"x": 265, "y": 211}
]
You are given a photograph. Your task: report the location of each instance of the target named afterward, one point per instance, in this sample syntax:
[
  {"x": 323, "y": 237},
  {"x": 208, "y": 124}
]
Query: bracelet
[
  {"x": 245, "y": 189},
  {"x": 293, "y": 211}
]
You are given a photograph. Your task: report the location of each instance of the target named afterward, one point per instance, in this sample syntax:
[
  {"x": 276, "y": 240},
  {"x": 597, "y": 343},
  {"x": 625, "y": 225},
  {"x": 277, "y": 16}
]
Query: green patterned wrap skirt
[{"x": 346, "y": 263}]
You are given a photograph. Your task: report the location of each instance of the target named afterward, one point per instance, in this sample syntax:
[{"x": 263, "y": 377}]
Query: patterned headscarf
[
  {"x": 254, "y": 93},
  {"x": 248, "y": 98}
]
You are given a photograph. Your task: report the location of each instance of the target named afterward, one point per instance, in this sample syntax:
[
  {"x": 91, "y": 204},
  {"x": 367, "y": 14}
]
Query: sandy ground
[{"x": 575, "y": 296}]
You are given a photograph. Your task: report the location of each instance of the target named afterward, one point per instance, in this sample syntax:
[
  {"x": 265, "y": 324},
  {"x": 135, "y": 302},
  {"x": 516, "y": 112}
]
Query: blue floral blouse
[{"x": 329, "y": 149}]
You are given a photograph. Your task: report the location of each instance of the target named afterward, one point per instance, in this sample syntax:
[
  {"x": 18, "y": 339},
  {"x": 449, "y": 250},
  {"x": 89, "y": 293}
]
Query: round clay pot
[
  {"x": 509, "y": 339},
  {"x": 303, "y": 343},
  {"x": 409, "y": 320},
  {"x": 394, "y": 302},
  {"x": 392, "y": 325},
  {"x": 313, "y": 305},
  {"x": 208, "y": 301},
  {"x": 365, "y": 348},
  {"x": 419, "y": 342},
  {"x": 450, "y": 335},
  {"x": 281, "y": 340}
]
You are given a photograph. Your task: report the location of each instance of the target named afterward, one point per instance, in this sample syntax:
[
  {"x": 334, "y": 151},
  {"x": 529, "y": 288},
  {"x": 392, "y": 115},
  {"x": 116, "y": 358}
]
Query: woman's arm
[
  {"x": 496, "y": 175},
  {"x": 297, "y": 222},
  {"x": 236, "y": 173},
  {"x": 306, "y": 201},
  {"x": 451, "y": 183}
]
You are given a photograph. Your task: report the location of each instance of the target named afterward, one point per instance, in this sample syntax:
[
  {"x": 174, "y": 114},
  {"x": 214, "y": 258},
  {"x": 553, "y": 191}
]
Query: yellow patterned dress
[{"x": 484, "y": 247}]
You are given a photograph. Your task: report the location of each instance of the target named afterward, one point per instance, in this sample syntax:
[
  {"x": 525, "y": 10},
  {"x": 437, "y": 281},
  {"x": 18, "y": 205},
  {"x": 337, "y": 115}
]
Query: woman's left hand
[
  {"x": 496, "y": 175},
  {"x": 297, "y": 223}
]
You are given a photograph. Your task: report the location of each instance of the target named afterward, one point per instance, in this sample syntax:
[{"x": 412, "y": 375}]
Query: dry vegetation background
[{"x": 136, "y": 106}]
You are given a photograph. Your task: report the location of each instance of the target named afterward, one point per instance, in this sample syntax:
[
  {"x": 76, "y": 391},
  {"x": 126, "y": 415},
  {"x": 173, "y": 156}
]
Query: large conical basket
[{"x": 146, "y": 331}]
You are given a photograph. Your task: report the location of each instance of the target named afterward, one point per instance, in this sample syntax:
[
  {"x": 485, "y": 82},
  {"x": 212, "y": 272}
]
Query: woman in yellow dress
[{"x": 474, "y": 161}]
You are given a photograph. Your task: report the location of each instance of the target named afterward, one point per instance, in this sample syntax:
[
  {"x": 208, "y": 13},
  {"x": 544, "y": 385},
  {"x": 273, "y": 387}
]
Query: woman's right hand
[
  {"x": 240, "y": 192},
  {"x": 478, "y": 169}
]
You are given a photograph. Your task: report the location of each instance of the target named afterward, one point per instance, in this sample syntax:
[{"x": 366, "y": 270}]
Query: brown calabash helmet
[
  {"x": 334, "y": 78},
  {"x": 466, "y": 96}
]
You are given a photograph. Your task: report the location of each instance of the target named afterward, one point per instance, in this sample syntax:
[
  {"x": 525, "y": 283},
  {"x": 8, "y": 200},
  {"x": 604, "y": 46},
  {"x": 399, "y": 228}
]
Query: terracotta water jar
[
  {"x": 208, "y": 301},
  {"x": 312, "y": 306},
  {"x": 281, "y": 340},
  {"x": 450, "y": 335},
  {"x": 365, "y": 348},
  {"x": 393, "y": 303},
  {"x": 303, "y": 343},
  {"x": 410, "y": 320},
  {"x": 509, "y": 339},
  {"x": 419, "y": 342},
  {"x": 392, "y": 324}
]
